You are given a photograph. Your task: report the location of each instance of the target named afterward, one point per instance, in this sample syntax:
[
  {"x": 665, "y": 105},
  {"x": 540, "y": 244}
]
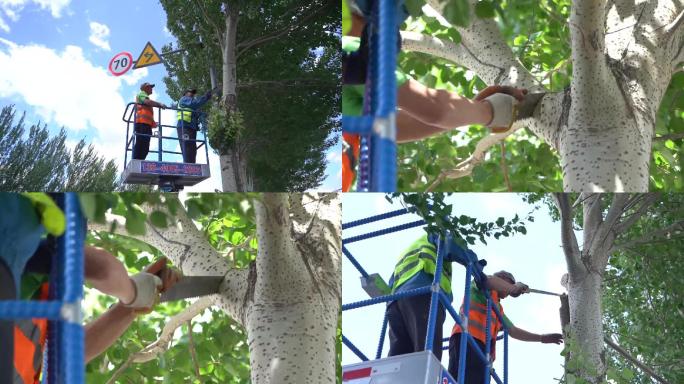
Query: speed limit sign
[{"x": 120, "y": 63}]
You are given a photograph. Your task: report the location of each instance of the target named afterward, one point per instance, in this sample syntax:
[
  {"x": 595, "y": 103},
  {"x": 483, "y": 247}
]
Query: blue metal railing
[
  {"x": 473, "y": 269},
  {"x": 63, "y": 310},
  {"x": 128, "y": 118},
  {"x": 377, "y": 155}
]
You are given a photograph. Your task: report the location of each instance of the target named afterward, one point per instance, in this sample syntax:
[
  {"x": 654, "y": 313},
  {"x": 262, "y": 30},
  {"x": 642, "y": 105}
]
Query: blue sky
[
  {"x": 535, "y": 259},
  {"x": 53, "y": 65}
]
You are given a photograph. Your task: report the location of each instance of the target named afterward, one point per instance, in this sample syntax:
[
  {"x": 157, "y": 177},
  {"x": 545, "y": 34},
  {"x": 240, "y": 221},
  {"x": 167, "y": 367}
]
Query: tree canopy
[
  {"x": 287, "y": 82},
  {"x": 37, "y": 161}
]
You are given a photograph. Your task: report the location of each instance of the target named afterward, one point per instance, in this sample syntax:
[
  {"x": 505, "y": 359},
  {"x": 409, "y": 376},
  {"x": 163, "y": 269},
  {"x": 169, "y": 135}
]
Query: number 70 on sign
[{"x": 120, "y": 63}]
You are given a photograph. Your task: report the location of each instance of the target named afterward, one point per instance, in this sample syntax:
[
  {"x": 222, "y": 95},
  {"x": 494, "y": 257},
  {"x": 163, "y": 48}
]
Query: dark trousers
[
  {"x": 408, "y": 319},
  {"x": 474, "y": 367},
  {"x": 188, "y": 148},
  {"x": 141, "y": 147}
]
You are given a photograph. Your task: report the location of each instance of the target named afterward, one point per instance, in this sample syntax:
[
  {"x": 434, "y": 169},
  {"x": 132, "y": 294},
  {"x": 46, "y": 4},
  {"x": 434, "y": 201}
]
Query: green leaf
[
  {"x": 456, "y": 12},
  {"x": 158, "y": 219},
  {"x": 500, "y": 221},
  {"x": 346, "y": 18},
  {"x": 484, "y": 9},
  {"x": 414, "y": 7}
]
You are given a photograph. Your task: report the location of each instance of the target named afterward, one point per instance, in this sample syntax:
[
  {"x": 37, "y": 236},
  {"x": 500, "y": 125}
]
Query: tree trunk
[
  {"x": 586, "y": 325},
  {"x": 623, "y": 54},
  {"x": 288, "y": 300},
  {"x": 234, "y": 174},
  {"x": 604, "y": 218}
]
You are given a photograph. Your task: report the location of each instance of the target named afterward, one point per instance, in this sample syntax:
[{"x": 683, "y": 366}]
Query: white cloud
[
  {"x": 12, "y": 8},
  {"x": 99, "y": 33},
  {"x": 65, "y": 89}
]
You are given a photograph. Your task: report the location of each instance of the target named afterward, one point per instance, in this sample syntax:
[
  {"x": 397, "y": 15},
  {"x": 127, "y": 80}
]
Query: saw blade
[
  {"x": 544, "y": 292},
  {"x": 192, "y": 286}
]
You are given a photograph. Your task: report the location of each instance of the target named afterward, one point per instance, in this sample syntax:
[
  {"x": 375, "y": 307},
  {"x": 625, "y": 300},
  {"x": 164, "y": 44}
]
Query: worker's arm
[
  {"x": 441, "y": 108},
  {"x": 523, "y": 335},
  {"x": 194, "y": 102},
  {"x": 101, "y": 333},
  {"x": 505, "y": 288},
  {"x": 411, "y": 129},
  {"x": 444, "y": 110},
  {"x": 107, "y": 274},
  {"x": 153, "y": 103}
]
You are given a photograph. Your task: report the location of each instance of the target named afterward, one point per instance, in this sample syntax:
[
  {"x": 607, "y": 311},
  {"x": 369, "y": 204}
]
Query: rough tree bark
[
  {"x": 624, "y": 55},
  {"x": 288, "y": 300},
  {"x": 604, "y": 218}
]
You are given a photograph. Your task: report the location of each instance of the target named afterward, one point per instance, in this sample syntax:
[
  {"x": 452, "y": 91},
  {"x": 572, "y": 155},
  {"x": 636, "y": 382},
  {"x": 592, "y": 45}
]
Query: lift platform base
[
  {"x": 413, "y": 368},
  {"x": 160, "y": 172}
]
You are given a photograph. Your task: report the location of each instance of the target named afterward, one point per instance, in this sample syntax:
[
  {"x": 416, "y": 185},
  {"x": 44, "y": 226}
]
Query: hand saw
[
  {"x": 544, "y": 292},
  {"x": 192, "y": 286}
]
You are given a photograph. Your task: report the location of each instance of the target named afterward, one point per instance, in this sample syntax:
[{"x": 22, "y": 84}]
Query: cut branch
[{"x": 153, "y": 350}]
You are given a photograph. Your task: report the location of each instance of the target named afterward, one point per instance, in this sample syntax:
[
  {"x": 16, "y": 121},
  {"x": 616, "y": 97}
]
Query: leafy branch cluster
[
  {"x": 442, "y": 219},
  {"x": 225, "y": 128}
]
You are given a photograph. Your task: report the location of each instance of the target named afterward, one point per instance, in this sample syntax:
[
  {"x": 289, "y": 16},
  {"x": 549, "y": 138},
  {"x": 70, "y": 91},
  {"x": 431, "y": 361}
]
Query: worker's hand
[
  {"x": 162, "y": 106},
  {"x": 501, "y": 100},
  {"x": 168, "y": 275},
  {"x": 147, "y": 288},
  {"x": 155, "y": 278},
  {"x": 518, "y": 289},
  {"x": 555, "y": 338},
  {"x": 208, "y": 95}
]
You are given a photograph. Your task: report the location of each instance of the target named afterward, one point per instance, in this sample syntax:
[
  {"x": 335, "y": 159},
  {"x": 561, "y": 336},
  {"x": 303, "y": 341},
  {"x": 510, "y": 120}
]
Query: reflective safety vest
[
  {"x": 421, "y": 256},
  {"x": 477, "y": 321},
  {"x": 184, "y": 114},
  {"x": 29, "y": 345},
  {"x": 350, "y": 154},
  {"x": 144, "y": 113}
]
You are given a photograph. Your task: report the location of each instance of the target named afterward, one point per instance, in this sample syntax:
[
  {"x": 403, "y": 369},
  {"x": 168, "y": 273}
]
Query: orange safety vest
[
  {"x": 144, "y": 114},
  {"x": 477, "y": 321},
  {"x": 29, "y": 345},
  {"x": 349, "y": 160}
]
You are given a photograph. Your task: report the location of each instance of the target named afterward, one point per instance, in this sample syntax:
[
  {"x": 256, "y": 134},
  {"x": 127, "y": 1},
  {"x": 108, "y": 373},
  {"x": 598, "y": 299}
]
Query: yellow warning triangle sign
[{"x": 148, "y": 56}]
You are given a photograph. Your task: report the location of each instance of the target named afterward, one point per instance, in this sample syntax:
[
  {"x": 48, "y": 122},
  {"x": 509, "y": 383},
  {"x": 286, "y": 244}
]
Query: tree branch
[
  {"x": 153, "y": 350},
  {"x": 634, "y": 360},
  {"x": 568, "y": 238},
  {"x": 313, "y": 83},
  {"x": 647, "y": 200},
  {"x": 658, "y": 235},
  {"x": 495, "y": 62},
  {"x": 295, "y": 24},
  {"x": 190, "y": 251}
]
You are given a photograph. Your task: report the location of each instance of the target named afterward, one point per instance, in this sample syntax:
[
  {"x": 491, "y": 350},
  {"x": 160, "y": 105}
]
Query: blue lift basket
[
  {"x": 420, "y": 367},
  {"x": 169, "y": 176},
  {"x": 377, "y": 169},
  {"x": 65, "y": 345}
]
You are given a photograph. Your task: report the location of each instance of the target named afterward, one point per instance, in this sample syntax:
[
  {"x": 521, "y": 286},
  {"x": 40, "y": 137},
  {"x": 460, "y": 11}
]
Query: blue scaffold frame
[
  {"x": 438, "y": 296},
  {"x": 65, "y": 351},
  {"x": 377, "y": 170}
]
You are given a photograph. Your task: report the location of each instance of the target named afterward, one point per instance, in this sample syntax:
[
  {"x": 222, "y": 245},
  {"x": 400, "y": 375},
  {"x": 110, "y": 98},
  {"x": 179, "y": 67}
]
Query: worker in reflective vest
[
  {"x": 408, "y": 317},
  {"x": 188, "y": 122},
  {"x": 423, "y": 112},
  {"x": 144, "y": 121},
  {"x": 501, "y": 285}
]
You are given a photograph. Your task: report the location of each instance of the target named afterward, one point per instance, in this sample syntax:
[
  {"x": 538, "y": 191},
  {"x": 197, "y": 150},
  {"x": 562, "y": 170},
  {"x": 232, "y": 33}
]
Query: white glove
[
  {"x": 502, "y": 110},
  {"x": 147, "y": 288}
]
